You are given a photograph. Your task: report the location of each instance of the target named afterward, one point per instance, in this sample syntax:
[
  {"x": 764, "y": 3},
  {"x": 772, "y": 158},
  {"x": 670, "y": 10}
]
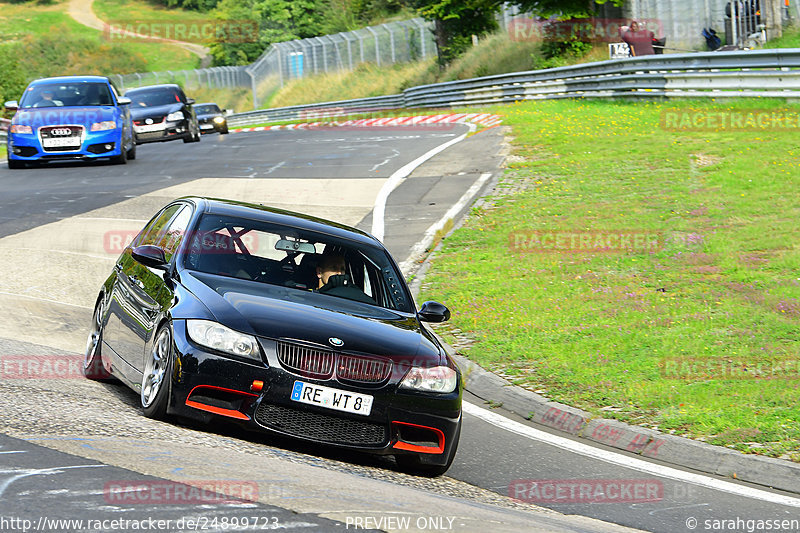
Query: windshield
[
  {"x": 296, "y": 259},
  {"x": 154, "y": 97},
  {"x": 206, "y": 109},
  {"x": 66, "y": 94}
]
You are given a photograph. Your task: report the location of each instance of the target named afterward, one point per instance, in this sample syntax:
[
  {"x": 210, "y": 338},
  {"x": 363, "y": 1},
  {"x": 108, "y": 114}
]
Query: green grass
[
  {"x": 789, "y": 39},
  {"x": 28, "y": 23},
  {"x": 365, "y": 81},
  {"x": 596, "y": 330}
]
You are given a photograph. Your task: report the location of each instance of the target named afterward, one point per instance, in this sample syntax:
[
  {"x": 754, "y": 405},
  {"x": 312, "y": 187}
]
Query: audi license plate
[
  {"x": 148, "y": 128},
  {"x": 341, "y": 400},
  {"x": 60, "y": 142}
]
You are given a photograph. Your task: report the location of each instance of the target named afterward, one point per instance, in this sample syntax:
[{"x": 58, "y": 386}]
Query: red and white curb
[{"x": 484, "y": 119}]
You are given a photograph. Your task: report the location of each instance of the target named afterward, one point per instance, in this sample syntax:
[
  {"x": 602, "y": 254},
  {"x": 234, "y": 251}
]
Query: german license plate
[
  {"x": 206, "y": 126},
  {"x": 341, "y": 400},
  {"x": 61, "y": 142},
  {"x": 149, "y": 127}
]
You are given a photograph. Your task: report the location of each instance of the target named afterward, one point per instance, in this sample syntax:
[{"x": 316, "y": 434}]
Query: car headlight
[
  {"x": 103, "y": 126},
  {"x": 19, "y": 128},
  {"x": 437, "y": 379},
  {"x": 177, "y": 115},
  {"x": 218, "y": 337},
  {"x": 219, "y": 120}
]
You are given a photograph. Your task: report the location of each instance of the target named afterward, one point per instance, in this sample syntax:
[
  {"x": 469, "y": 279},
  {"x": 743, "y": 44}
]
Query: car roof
[
  {"x": 70, "y": 79},
  {"x": 161, "y": 86},
  {"x": 218, "y": 206}
]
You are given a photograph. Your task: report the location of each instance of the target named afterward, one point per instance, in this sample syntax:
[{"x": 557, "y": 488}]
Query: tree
[{"x": 456, "y": 21}]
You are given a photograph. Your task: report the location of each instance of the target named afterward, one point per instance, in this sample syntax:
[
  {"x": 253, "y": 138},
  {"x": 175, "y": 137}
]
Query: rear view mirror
[
  {"x": 434, "y": 312},
  {"x": 12, "y": 105},
  {"x": 123, "y": 100},
  {"x": 150, "y": 255},
  {"x": 295, "y": 246}
]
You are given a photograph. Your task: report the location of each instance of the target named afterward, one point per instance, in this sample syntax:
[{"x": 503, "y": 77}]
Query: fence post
[
  {"x": 391, "y": 42},
  {"x": 377, "y": 47},
  {"x": 422, "y": 29}
]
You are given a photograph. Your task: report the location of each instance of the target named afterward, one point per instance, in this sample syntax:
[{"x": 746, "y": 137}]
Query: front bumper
[
  {"x": 94, "y": 145},
  {"x": 209, "y": 126},
  {"x": 167, "y": 131},
  {"x": 257, "y": 395}
]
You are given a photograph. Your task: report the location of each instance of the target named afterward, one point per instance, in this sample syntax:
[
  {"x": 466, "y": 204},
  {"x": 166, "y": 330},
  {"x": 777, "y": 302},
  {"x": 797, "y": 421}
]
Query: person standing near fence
[{"x": 639, "y": 40}]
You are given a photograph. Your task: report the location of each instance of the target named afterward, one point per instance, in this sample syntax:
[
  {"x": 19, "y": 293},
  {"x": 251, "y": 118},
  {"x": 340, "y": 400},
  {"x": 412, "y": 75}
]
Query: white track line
[
  {"x": 379, "y": 210},
  {"x": 422, "y": 246},
  {"x": 626, "y": 461}
]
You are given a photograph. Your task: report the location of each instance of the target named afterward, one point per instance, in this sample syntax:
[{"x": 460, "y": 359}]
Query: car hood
[
  {"x": 291, "y": 314},
  {"x": 154, "y": 111},
  {"x": 50, "y": 116}
]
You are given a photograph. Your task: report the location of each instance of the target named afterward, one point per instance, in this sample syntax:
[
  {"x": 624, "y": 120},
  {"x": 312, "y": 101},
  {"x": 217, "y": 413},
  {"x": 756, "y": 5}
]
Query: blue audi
[{"x": 70, "y": 118}]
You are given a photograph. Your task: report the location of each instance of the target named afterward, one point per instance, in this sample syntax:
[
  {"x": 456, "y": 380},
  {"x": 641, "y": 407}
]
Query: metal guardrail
[{"x": 754, "y": 73}]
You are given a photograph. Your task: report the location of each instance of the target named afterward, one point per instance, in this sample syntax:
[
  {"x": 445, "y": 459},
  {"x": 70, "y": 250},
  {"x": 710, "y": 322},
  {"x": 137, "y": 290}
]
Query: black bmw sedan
[
  {"x": 163, "y": 113},
  {"x": 282, "y": 322}
]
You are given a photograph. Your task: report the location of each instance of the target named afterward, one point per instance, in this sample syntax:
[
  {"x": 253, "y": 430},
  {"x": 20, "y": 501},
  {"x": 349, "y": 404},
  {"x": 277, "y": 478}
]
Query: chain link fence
[{"x": 387, "y": 44}]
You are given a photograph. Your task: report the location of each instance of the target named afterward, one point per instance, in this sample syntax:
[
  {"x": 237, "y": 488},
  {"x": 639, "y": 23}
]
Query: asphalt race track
[{"x": 64, "y": 439}]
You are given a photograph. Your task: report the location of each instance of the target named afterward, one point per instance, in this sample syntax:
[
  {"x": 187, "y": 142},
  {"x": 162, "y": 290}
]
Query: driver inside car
[{"x": 334, "y": 281}]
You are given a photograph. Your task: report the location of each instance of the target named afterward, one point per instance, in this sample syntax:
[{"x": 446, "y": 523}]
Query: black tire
[
  {"x": 122, "y": 158},
  {"x": 132, "y": 152},
  {"x": 93, "y": 358},
  {"x": 411, "y": 464},
  {"x": 157, "y": 375},
  {"x": 13, "y": 164},
  {"x": 225, "y": 131}
]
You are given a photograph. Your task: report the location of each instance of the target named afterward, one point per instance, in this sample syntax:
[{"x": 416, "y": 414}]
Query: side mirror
[
  {"x": 434, "y": 312},
  {"x": 190, "y": 101},
  {"x": 150, "y": 255},
  {"x": 11, "y": 105},
  {"x": 123, "y": 100}
]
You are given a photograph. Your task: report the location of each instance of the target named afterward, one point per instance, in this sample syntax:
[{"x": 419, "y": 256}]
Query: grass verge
[
  {"x": 697, "y": 336},
  {"x": 78, "y": 49}
]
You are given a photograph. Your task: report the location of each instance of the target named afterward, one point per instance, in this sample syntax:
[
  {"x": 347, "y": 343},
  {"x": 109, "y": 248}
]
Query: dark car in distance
[
  {"x": 282, "y": 322},
  {"x": 70, "y": 118},
  {"x": 211, "y": 118},
  {"x": 163, "y": 113}
]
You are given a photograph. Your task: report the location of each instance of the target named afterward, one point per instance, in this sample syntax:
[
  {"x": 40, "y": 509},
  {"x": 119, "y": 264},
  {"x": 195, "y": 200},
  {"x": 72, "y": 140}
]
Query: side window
[
  {"x": 155, "y": 228},
  {"x": 170, "y": 239}
]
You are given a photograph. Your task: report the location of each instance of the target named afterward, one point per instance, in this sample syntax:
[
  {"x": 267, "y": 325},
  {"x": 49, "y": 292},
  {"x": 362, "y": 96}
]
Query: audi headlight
[
  {"x": 437, "y": 379},
  {"x": 219, "y": 120},
  {"x": 177, "y": 115},
  {"x": 19, "y": 128},
  {"x": 218, "y": 337},
  {"x": 103, "y": 126}
]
